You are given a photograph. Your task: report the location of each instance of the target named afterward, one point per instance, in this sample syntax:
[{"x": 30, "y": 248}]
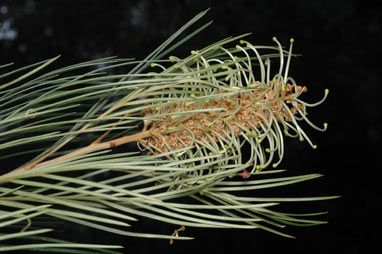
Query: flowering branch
[{"x": 197, "y": 114}]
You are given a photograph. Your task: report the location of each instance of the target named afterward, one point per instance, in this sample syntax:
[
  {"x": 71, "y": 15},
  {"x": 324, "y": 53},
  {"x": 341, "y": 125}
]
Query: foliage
[{"x": 194, "y": 119}]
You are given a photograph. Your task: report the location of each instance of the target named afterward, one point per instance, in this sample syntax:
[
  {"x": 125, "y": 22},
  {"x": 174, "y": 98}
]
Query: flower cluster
[
  {"x": 244, "y": 112},
  {"x": 214, "y": 104}
]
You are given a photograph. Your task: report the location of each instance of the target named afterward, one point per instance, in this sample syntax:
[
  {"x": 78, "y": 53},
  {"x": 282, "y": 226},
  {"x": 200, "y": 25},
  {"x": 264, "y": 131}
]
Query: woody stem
[{"x": 86, "y": 150}]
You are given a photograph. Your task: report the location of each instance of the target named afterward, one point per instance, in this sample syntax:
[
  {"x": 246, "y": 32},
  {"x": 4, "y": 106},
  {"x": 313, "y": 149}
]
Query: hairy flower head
[{"x": 224, "y": 99}]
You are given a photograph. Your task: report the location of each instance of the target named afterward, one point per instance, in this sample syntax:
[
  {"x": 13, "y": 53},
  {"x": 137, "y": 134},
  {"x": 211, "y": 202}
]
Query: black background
[{"x": 340, "y": 42}]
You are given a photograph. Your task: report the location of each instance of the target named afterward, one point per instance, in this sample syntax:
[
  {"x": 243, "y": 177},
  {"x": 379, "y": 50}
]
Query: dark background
[{"x": 340, "y": 42}]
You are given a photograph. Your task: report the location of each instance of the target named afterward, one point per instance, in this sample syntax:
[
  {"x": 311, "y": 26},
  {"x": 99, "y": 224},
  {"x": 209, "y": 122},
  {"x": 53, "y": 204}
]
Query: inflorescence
[{"x": 220, "y": 105}]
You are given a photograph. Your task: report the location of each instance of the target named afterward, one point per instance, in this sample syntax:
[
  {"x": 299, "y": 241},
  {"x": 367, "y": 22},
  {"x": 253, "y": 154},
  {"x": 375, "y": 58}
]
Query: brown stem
[
  {"x": 95, "y": 146},
  {"x": 123, "y": 102},
  {"x": 88, "y": 149}
]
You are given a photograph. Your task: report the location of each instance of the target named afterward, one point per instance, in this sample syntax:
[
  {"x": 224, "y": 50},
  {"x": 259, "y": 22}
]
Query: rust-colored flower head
[{"x": 220, "y": 98}]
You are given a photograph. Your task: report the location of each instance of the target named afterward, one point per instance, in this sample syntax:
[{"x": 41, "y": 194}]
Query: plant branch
[{"x": 86, "y": 150}]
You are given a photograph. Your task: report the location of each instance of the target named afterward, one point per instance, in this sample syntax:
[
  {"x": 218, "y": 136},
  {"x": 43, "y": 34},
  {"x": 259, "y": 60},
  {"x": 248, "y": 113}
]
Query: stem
[
  {"x": 130, "y": 97},
  {"x": 88, "y": 149}
]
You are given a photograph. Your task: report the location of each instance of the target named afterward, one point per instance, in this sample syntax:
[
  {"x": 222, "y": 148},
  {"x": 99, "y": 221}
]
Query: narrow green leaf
[
  {"x": 10, "y": 222},
  {"x": 22, "y": 234},
  {"x": 58, "y": 245},
  {"x": 29, "y": 73}
]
